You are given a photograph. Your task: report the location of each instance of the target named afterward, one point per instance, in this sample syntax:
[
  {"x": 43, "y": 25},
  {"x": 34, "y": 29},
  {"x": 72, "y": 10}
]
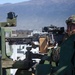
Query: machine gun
[{"x": 53, "y": 29}]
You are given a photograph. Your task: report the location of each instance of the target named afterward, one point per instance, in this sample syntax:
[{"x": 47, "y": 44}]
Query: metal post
[{"x": 0, "y": 64}]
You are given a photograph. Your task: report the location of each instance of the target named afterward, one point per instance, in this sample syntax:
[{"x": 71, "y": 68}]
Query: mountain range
[{"x": 35, "y": 14}]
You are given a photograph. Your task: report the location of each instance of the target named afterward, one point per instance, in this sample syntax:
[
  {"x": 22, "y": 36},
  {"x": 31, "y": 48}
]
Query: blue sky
[{"x": 11, "y": 1}]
